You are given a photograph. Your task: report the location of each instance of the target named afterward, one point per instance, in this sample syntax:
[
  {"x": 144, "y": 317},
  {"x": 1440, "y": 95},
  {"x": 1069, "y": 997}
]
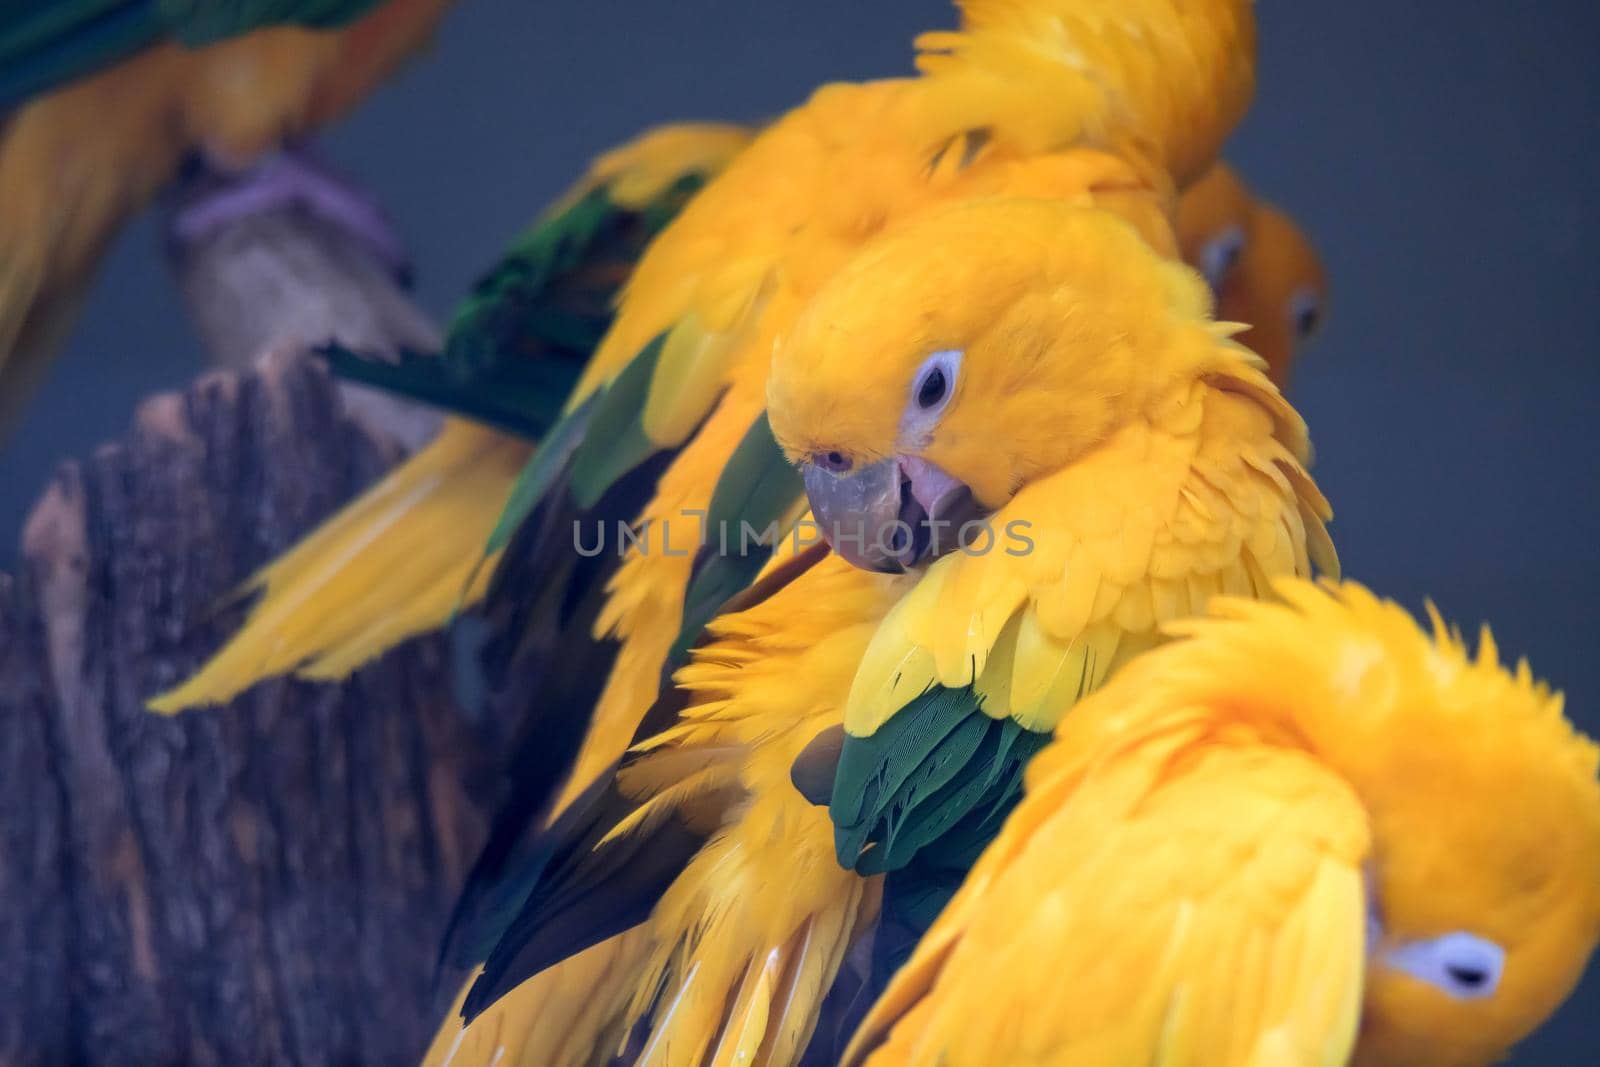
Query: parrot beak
[{"x": 891, "y": 515}]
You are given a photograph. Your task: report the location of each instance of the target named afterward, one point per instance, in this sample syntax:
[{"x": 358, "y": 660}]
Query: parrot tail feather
[{"x": 571, "y": 1015}]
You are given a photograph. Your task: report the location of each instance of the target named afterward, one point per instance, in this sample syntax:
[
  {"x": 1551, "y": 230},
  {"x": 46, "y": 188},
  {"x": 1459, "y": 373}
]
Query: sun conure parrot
[
  {"x": 1261, "y": 266},
  {"x": 1033, "y": 364},
  {"x": 1303, "y": 834},
  {"x": 101, "y": 101}
]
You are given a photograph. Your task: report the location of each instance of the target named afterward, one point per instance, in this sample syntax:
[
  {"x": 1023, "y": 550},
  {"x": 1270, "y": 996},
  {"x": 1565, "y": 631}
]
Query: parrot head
[
  {"x": 1259, "y": 263},
  {"x": 1278, "y": 287},
  {"x": 960, "y": 357},
  {"x": 1484, "y": 869},
  {"x": 1212, "y": 223},
  {"x": 1485, "y": 902}
]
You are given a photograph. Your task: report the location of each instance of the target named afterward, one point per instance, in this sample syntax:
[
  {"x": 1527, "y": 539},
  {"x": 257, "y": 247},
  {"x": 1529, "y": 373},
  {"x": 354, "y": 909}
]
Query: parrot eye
[
  {"x": 1305, "y": 313},
  {"x": 931, "y": 390},
  {"x": 935, "y": 381},
  {"x": 1218, "y": 255},
  {"x": 1463, "y": 965}
]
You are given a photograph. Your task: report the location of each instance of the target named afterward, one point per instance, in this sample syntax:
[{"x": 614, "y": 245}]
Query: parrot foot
[{"x": 214, "y": 198}]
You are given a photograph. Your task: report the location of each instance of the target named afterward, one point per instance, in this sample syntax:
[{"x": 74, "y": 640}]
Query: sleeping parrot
[
  {"x": 1305, "y": 835},
  {"x": 1036, "y": 370},
  {"x": 1261, "y": 266},
  {"x": 101, "y": 101}
]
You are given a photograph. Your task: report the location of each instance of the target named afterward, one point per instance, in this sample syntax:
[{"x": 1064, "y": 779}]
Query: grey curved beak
[{"x": 891, "y": 515}]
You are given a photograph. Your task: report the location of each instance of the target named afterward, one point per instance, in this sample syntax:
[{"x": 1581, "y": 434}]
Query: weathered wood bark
[{"x": 260, "y": 883}]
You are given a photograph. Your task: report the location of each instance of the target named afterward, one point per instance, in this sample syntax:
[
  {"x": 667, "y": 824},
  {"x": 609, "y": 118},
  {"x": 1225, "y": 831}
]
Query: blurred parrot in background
[
  {"x": 1261, "y": 266},
  {"x": 1304, "y": 834},
  {"x": 1031, "y": 364},
  {"x": 102, "y": 101}
]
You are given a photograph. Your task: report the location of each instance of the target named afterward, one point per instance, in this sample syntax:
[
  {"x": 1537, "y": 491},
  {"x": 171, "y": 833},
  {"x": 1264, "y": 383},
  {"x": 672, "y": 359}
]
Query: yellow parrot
[
  {"x": 102, "y": 100},
  {"x": 1261, "y": 266},
  {"x": 1303, "y": 835},
  {"x": 1033, "y": 366}
]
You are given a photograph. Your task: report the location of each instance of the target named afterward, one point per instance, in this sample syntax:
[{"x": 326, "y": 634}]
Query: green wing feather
[
  {"x": 557, "y": 285},
  {"x": 525, "y": 400},
  {"x": 615, "y": 442},
  {"x": 519, "y": 342},
  {"x": 757, "y": 488},
  {"x": 932, "y": 785}
]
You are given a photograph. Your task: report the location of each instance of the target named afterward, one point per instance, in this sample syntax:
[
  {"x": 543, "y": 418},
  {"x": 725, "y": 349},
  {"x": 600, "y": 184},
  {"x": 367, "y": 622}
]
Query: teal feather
[
  {"x": 615, "y": 442},
  {"x": 542, "y": 471},
  {"x": 757, "y": 487}
]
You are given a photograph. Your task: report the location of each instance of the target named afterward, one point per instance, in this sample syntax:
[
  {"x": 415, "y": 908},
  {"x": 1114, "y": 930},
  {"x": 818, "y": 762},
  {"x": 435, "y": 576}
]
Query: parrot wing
[
  {"x": 43, "y": 45},
  {"x": 519, "y": 341},
  {"x": 1165, "y": 899},
  {"x": 970, "y": 672},
  {"x": 747, "y": 916}
]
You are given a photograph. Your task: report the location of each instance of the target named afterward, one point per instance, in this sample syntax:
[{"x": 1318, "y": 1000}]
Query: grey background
[{"x": 1443, "y": 155}]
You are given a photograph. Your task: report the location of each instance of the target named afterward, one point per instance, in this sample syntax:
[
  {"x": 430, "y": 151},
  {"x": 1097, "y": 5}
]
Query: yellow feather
[
  {"x": 394, "y": 563},
  {"x": 567, "y": 1016}
]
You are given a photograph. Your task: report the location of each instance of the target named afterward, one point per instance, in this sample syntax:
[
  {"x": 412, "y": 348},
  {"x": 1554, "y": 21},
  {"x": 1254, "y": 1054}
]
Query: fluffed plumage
[
  {"x": 1187, "y": 451},
  {"x": 1299, "y": 836}
]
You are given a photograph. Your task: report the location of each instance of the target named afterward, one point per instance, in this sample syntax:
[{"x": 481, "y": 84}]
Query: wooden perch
[
  {"x": 264, "y": 265},
  {"x": 260, "y": 883}
]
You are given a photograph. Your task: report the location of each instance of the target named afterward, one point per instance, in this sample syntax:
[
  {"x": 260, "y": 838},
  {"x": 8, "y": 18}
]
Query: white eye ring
[
  {"x": 935, "y": 381},
  {"x": 1219, "y": 255},
  {"x": 931, "y": 389},
  {"x": 1305, "y": 313},
  {"x": 1464, "y": 965}
]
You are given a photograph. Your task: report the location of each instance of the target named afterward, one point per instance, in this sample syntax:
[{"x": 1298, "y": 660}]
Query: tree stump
[{"x": 264, "y": 882}]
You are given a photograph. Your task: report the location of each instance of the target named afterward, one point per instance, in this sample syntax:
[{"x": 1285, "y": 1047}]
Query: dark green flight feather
[
  {"x": 525, "y": 397},
  {"x": 756, "y": 489},
  {"x": 519, "y": 342},
  {"x": 615, "y": 442},
  {"x": 932, "y": 784}
]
